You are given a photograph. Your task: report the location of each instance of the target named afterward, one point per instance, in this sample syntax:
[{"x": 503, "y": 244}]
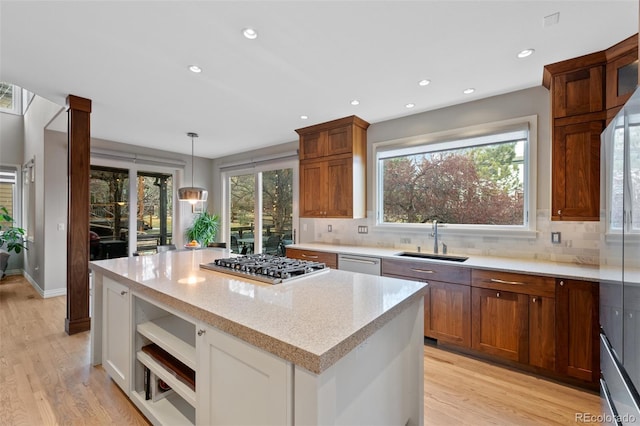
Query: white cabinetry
[
  {"x": 116, "y": 343},
  {"x": 241, "y": 384},
  {"x": 165, "y": 356}
]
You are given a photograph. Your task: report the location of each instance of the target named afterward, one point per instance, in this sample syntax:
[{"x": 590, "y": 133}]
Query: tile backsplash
[{"x": 580, "y": 241}]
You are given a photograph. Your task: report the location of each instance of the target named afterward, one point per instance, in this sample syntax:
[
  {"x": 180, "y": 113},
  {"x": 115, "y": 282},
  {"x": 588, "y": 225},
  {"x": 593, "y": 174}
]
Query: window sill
[{"x": 461, "y": 230}]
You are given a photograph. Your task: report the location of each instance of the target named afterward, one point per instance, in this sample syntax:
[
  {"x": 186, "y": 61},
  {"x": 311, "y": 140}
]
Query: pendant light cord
[{"x": 193, "y": 135}]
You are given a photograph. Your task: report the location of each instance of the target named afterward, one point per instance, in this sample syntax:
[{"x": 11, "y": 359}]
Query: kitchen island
[{"x": 331, "y": 348}]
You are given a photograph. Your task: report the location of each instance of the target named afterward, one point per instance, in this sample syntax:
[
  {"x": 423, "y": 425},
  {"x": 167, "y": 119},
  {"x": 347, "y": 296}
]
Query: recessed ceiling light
[
  {"x": 424, "y": 82},
  {"x": 355, "y": 102},
  {"x": 468, "y": 91},
  {"x": 410, "y": 105},
  {"x": 195, "y": 68},
  {"x": 526, "y": 52},
  {"x": 304, "y": 117},
  {"x": 250, "y": 33}
]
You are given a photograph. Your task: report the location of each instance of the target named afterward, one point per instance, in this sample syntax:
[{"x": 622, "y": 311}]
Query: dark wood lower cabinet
[
  {"x": 539, "y": 324},
  {"x": 500, "y": 323},
  {"x": 448, "y": 313},
  {"x": 577, "y": 343},
  {"x": 542, "y": 332}
]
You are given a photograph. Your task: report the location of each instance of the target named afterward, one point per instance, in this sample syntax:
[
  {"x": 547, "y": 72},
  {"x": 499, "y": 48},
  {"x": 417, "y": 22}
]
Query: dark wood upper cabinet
[
  {"x": 622, "y": 72},
  {"x": 576, "y": 171},
  {"x": 333, "y": 158},
  {"x": 586, "y": 93},
  {"x": 578, "y": 92}
]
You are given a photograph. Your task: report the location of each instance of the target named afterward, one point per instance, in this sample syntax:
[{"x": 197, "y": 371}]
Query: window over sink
[{"x": 476, "y": 179}]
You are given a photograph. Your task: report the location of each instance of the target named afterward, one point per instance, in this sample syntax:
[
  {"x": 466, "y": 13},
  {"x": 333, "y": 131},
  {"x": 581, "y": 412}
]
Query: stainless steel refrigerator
[{"x": 620, "y": 267}]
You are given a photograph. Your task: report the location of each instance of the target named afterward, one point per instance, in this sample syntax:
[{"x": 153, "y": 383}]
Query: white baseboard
[{"x": 44, "y": 293}]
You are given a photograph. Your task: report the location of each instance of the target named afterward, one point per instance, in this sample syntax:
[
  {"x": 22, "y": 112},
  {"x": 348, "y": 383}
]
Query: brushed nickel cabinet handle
[
  {"x": 424, "y": 271},
  {"x": 495, "y": 280},
  {"x": 308, "y": 256},
  {"x": 201, "y": 332}
]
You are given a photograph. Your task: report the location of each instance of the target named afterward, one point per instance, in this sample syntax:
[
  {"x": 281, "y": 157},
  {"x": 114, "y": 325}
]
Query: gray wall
[{"x": 49, "y": 171}]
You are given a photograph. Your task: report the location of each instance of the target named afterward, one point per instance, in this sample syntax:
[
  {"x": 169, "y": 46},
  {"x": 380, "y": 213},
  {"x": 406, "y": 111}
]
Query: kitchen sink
[{"x": 433, "y": 256}]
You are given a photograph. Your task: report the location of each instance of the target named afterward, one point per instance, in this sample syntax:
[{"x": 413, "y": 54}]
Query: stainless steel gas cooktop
[{"x": 266, "y": 268}]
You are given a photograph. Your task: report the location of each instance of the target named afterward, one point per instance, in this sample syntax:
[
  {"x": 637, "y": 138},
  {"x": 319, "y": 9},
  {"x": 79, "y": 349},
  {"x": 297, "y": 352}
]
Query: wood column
[{"x": 78, "y": 163}]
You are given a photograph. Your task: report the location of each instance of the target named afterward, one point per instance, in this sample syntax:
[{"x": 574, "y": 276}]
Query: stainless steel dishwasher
[{"x": 362, "y": 264}]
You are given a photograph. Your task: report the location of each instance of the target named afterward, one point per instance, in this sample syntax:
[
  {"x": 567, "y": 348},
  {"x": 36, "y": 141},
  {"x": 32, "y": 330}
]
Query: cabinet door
[
  {"x": 231, "y": 373},
  {"x": 500, "y": 323},
  {"x": 576, "y": 171},
  {"x": 578, "y": 92},
  {"x": 313, "y": 184},
  {"x": 577, "y": 343},
  {"x": 542, "y": 332},
  {"x": 313, "y": 145},
  {"x": 448, "y": 313},
  {"x": 340, "y": 140},
  {"x": 116, "y": 333},
  {"x": 622, "y": 78},
  {"x": 339, "y": 188}
]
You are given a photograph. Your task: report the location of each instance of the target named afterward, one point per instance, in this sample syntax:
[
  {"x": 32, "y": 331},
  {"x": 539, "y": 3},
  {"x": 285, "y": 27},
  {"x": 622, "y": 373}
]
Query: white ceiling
[{"x": 311, "y": 57}]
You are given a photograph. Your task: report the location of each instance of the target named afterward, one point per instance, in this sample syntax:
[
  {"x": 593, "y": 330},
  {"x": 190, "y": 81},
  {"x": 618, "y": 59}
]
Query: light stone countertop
[
  {"x": 529, "y": 266},
  {"x": 313, "y": 321}
]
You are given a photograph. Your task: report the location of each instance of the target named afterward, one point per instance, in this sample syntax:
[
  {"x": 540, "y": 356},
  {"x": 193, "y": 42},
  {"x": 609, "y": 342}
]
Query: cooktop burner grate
[{"x": 266, "y": 268}]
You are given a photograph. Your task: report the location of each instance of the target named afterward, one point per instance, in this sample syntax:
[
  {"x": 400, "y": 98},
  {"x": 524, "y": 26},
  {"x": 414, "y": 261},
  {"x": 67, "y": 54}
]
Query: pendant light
[{"x": 192, "y": 194}]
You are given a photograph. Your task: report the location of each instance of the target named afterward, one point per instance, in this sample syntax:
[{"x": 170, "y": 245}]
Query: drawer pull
[
  {"x": 351, "y": 259},
  {"x": 309, "y": 256},
  {"x": 424, "y": 271},
  {"x": 497, "y": 281},
  {"x": 123, "y": 292},
  {"x": 498, "y": 294},
  {"x": 201, "y": 332},
  {"x": 534, "y": 300}
]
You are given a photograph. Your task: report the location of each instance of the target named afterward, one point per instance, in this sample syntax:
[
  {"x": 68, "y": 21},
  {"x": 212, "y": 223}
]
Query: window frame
[
  {"x": 257, "y": 169},
  {"x": 16, "y": 97},
  {"x": 16, "y": 202},
  {"x": 451, "y": 138},
  {"x": 105, "y": 159}
]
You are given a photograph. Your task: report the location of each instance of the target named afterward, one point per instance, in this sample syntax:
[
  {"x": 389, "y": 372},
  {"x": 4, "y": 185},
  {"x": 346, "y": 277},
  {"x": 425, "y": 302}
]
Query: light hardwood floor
[{"x": 46, "y": 378}]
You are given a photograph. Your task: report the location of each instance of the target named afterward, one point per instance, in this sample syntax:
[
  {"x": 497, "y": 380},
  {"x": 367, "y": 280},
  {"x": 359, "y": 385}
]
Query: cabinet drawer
[
  {"x": 331, "y": 259},
  {"x": 425, "y": 271},
  {"x": 516, "y": 283}
]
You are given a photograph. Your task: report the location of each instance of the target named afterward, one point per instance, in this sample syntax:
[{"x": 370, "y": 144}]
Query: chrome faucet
[{"x": 435, "y": 236}]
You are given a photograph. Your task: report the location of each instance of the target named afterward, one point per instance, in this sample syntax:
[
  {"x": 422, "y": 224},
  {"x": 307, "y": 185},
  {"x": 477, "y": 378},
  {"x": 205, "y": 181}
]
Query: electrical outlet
[
  {"x": 329, "y": 228},
  {"x": 556, "y": 238},
  {"x": 363, "y": 229}
]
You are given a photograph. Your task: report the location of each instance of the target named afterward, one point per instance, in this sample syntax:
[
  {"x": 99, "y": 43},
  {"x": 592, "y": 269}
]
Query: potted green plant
[
  {"x": 10, "y": 236},
  {"x": 204, "y": 228}
]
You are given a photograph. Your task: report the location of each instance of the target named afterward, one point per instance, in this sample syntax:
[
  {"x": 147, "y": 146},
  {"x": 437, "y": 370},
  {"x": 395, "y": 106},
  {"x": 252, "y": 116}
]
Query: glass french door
[{"x": 261, "y": 213}]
